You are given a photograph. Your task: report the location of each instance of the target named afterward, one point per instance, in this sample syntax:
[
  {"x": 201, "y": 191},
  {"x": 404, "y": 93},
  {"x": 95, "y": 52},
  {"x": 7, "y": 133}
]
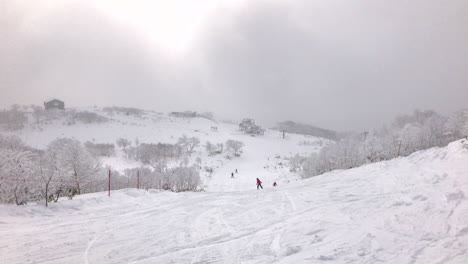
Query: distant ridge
[{"x": 294, "y": 127}]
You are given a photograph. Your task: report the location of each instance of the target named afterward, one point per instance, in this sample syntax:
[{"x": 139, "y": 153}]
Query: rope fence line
[
  {"x": 107, "y": 181},
  {"x": 54, "y": 181},
  {"x": 100, "y": 185}
]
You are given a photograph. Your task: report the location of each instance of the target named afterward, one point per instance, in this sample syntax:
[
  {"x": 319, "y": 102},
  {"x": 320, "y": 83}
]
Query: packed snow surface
[{"x": 407, "y": 210}]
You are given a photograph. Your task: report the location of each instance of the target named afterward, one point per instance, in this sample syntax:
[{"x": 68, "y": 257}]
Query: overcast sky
[{"x": 345, "y": 65}]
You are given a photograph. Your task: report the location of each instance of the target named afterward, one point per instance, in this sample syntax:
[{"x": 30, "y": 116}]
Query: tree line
[
  {"x": 67, "y": 167},
  {"x": 405, "y": 135}
]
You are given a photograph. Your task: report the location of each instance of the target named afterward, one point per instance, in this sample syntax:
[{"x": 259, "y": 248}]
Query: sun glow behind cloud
[{"x": 171, "y": 24}]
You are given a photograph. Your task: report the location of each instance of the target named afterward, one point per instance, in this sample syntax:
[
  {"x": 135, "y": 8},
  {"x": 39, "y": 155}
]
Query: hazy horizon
[{"x": 334, "y": 64}]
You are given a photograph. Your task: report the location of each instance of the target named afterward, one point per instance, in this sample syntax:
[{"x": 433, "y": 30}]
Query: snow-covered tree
[
  {"x": 219, "y": 148},
  {"x": 16, "y": 171},
  {"x": 13, "y": 119},
  {"x": 198, "y": 161},
  {"x": 48, "y": 172},
  {"x": 186, "y": 179},
  {"x": 188, "y": 144},
  {"x": 407, "y": 134},
  {"x": 210, "y": 148},
  {"x": 456, "y": 124},
  {"x": 123, "y": 143},
  {"x": 38, "y": 114},
  {"x": 409, "y": 137},
  {"x": 178, "y": 179},
  {"x": 100, "y": 149},
  {"x": 214, "y": 149},
  {"x": 234, "y": 146},
  {"x": 75, "y": 163},
  {"x": 296, "y": 162}
]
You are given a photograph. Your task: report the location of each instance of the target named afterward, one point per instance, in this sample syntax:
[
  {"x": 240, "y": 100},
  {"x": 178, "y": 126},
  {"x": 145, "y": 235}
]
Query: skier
[
  {"x": 274, "y": 184},
  {"x": 259, "y": 183},
  {"x": 236, "y": 171},
  {"x": 232, "y": 175}
]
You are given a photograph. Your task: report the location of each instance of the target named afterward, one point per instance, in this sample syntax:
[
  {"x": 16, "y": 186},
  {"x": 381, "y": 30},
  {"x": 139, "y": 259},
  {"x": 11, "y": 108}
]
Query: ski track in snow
[{"x": 88, "y": 248}]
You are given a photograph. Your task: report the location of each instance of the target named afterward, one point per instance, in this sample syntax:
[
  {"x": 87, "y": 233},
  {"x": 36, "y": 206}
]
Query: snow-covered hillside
[
  {"x": 265, "y": 157},
  {"x": 407, "y": 210}
]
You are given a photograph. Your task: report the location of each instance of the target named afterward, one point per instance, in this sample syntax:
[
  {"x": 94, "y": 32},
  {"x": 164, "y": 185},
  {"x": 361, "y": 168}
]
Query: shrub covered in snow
[
  {"x": 207, "y": 115},
  {"x": 123, "y": 142},
  {"x": 154, "y": 155},
  {"x": 178, "y": 179},
  {"x": 124, "y": 110},
  {"x": 214, "y": 149},
  {"x": 89, "y": 117},
  {"x": 234, "y": 147},
  {"x": 100, "y": 149},
  {"x": 188, "y": 144},
  {"x": 13, "y": 119}
]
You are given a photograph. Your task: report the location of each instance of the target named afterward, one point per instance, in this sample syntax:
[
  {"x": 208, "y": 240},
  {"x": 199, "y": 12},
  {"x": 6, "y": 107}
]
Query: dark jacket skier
[
  {"x": 274, "y": 184},
  {"x": 259, "y": 183}
]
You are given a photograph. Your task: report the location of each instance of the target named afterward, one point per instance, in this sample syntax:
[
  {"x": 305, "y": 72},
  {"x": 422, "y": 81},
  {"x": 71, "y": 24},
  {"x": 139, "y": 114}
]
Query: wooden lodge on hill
[{"x": 54, "y": 104}]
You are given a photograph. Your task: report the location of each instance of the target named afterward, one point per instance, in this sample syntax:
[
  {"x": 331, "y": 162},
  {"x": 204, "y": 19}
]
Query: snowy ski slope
[
  {"x": 407, "y": 210},
  {"x": 263, "y": 156}
]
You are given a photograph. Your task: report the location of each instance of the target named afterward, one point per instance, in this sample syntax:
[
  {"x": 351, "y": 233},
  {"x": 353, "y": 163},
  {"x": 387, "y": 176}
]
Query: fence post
[
  {"x": 138, "y": 179},
  {"x": 399, "y": 147},
  {"x": 109, "y": 185}
]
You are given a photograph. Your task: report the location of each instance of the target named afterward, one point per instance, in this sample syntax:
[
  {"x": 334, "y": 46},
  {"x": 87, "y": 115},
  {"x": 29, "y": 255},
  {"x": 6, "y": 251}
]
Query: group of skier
[
  {"x": 259, "y": 182},
  {"x": 232, "y": 174}
]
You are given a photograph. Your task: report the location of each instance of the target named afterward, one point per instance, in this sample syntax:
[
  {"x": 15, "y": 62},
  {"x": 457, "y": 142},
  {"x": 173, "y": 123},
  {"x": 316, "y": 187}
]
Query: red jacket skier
[{"x": 259, "y": 183}]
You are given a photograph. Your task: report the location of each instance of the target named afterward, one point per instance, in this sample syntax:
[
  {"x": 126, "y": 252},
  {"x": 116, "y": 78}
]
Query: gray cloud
[
  {"x": 342, "y": 64},
  {"x": 78, "y": 54},
  {"x": 337, "y": 64}
]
